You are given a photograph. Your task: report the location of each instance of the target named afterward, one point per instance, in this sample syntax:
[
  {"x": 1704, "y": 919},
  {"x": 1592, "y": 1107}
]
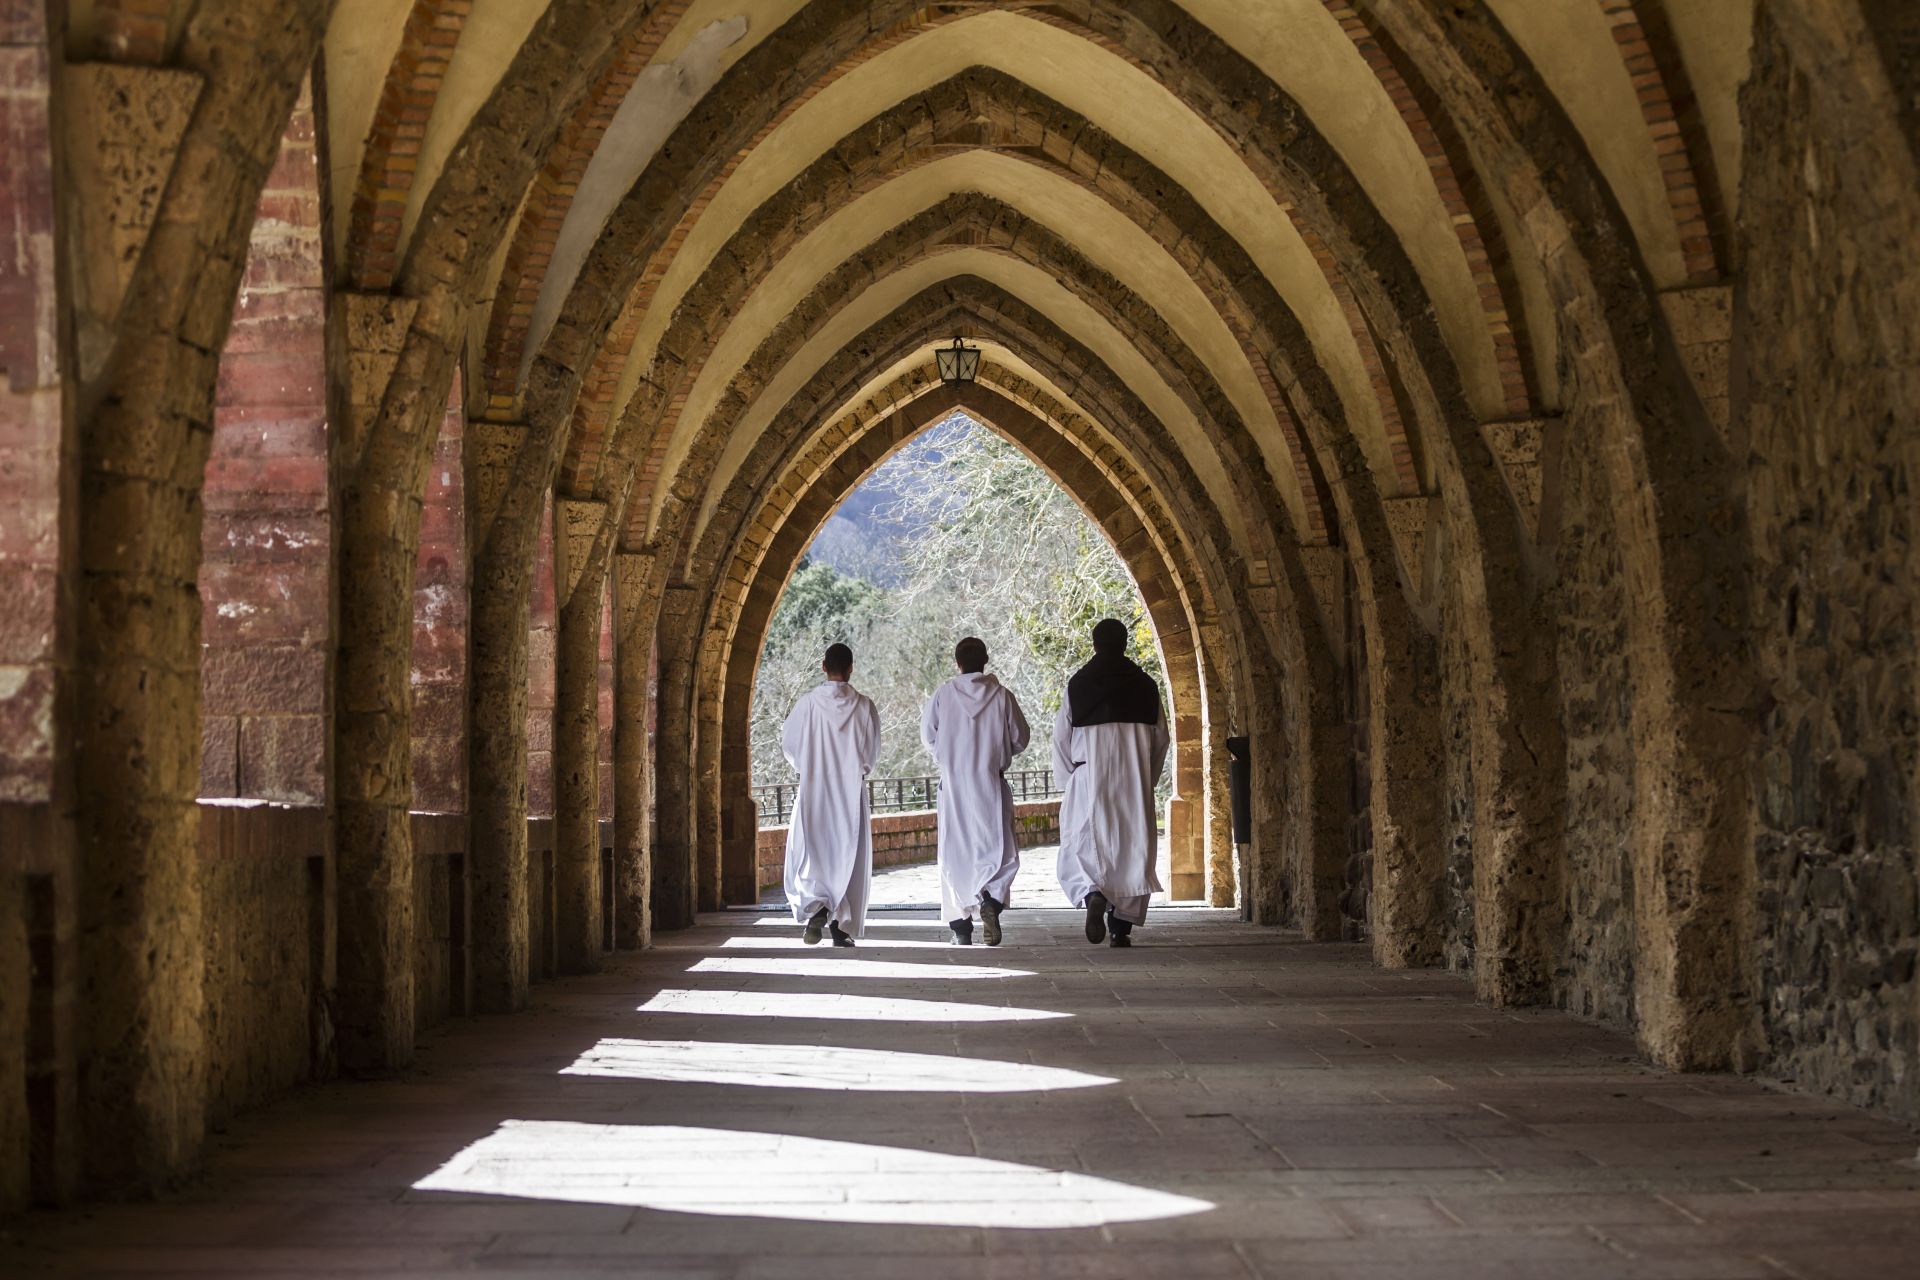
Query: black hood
[{"x": 1112, "y": 689}]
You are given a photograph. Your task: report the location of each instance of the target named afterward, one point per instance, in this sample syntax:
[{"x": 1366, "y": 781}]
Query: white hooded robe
[
  {"x": 1108, "y": 840},
  {"x": 831, "y": 738},
  {"x": 973, "y": 728}
]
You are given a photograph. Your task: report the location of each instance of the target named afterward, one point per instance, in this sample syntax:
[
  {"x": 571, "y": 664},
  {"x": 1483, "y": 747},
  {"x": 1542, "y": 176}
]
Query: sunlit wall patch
[
  {"x": 731, "y": 1173},
  {"x": 809, "y": 1066}
]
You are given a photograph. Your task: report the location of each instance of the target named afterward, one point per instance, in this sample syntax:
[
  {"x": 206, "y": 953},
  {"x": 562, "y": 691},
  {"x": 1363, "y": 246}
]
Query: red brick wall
[
  {"x": 440, "y": 628},
  {"x": 903, "y": 839},
  {"x": 29, "y": 408},
  {"x": 264, "y": 544},
  {"x": 540, "y": 651},
  {"x": 606, "y": 706}
]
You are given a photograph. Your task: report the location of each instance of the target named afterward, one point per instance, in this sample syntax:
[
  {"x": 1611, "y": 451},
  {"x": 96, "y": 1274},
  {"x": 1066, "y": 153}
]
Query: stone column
[
  {"x": 163, "y": 170},
  {"x": 378, "y": 537},
  {"x": 673, "y": 745},
  {"x": 634, "y": 618},
  {"x": 1314, "y": 795},
  {"x": 740, "y": 818},
  {"x": 506, "y": 481},
  {"x": 706, "y": 794},
  {"x": 581, "y": 549}
]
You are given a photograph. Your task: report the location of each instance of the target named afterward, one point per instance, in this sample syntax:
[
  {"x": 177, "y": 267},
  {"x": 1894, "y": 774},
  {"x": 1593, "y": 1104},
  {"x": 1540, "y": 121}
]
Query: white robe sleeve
[
  {"x": 1063, "y": 763},
  {"x": 930, "y": 726},
  {"x": 1018, "y": 732},
  {"x": 870, "y": 739},
  {"x": 792, "y": 734},
  {"x": 1161, "y": 741}
]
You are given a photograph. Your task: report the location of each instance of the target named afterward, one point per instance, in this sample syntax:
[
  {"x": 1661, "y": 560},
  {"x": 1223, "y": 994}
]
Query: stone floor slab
[{"x": 1258, "y": 1107}]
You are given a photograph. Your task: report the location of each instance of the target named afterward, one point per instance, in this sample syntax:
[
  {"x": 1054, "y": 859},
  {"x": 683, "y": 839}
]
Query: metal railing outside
[{"x": 900, "y": 795}]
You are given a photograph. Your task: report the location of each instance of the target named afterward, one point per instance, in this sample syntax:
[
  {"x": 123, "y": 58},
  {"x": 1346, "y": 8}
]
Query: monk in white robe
[
  {"x": 831, "y": 739},
  {"x": 1109, "y": 747},
  {"x": 973, "y": 728}
]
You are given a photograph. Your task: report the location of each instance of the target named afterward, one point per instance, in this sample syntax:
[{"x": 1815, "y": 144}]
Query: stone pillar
[
  {"x": 506, "y": 482},
  {"x": 634, "y": 618},
  {"x": 673, "y": 745},
  {"x": 709, "y": 803},
  {"x": 377, "y": 536},
  {"x": 1312, "y": 720},
  {"x": 136, "y": 753},
  {"x": 1188, "y": 705},
  {"x": 581, "y": 549},
  {"x": 1273, "y": 777},
  {"x": 739, "y": 816}
]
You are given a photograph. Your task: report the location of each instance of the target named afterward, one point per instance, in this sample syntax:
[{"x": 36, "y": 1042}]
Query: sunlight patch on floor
[
  {"x": 806, "y": 1066},
  {"x": 835, "y": 967},
  {"x": 787, "y": 922},
  {"x": 760, "y": 943},
  {"x": 778, "y": 1004},
  {"x": 768, "y": 1175}
]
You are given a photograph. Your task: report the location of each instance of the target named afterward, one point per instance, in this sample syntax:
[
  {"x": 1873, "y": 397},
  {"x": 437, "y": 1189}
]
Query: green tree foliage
[{"x": 978, "y": 540}]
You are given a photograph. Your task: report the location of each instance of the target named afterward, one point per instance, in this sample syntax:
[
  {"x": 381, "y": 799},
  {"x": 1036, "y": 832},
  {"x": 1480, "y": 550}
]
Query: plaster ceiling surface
[
  {"x": 1032, "y": 286},
  {"x": 489, "y": 42},
  {"x": 1112, "y": 241},
  {"x": 1302, "y": 48},
  {"x": 659, "y": 100},
  {"x": 1716, "y": 43},
  {"x": 1115, "y": 96},
  {"x": 1571, "y": 45},
  {"x": 492, "y": 36},
  {"x": 361, "y": 41}
]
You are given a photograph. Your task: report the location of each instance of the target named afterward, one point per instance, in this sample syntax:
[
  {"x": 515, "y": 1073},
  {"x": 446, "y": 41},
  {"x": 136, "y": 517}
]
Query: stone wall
[
  {"x": 1456, "y": 740},
  {"x": 907, "y": 839},
  {"x": 439, "y": 676},
  {"x": 541, "y": 641},
  {"x": 1590, "y": 600},
  {"x": 264, "y": 544},
  {"x": 1825, "y": 396},
  {"x": 31, "y": 484},
  {"x": 263, "y": 881}
]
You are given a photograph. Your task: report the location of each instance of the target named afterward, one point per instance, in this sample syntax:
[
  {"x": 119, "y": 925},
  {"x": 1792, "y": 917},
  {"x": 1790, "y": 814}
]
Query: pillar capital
[{"x": 124, "y": 126}]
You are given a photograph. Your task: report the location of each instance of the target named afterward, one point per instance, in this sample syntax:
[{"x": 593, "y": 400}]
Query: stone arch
[
  {"x": 1408, "y": 817},
  {"x": 731, "y": 653},
  {"x": 995, "y": 314},
  {"x": 1688, "y": 652}
]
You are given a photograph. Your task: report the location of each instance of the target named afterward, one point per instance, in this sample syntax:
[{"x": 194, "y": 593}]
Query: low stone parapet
[{"x": 907, "y": 839}]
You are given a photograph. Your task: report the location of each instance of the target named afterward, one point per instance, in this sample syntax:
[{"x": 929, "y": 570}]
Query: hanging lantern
[{"x": 957, "y": 363}]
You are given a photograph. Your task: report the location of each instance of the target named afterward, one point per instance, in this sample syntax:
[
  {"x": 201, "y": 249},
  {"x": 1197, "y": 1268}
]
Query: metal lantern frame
[{"x": 957, "y": 363}]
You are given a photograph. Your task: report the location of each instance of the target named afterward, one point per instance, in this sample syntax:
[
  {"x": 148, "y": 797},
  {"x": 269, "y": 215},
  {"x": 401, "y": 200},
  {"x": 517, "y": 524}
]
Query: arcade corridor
[{"x": 1223, "y": 1101}]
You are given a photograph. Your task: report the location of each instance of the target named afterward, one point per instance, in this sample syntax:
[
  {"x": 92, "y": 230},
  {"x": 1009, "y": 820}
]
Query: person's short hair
[
  {"x": 971, "y": 654},
  {"x": 839, "y": 660},
  {"x": 1109, "y": 636}
]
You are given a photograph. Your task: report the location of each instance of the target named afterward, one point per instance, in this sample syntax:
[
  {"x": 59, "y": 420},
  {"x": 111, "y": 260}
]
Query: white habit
[
  {"x": 973, "y": 728},
  {"x": 1107, "y": 839},
  {"x": 831, "y": 738}
]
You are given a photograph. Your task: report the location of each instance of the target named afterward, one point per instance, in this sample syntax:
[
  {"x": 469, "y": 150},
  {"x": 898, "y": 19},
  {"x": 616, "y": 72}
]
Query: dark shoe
[
  {"x": 840, "y": 937},
  {"x": 1119, "y": 940},
  {"x": 1096, "y": 917},
  {"x": 1117, "y": 927},
  {"x": 819, "y": 921},
  {"x": 990, "y": 918},
  {"x": 962, "y": 931}
]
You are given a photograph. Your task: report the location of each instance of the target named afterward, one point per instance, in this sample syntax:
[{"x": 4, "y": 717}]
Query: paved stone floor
[{"x": 1219, "y": 1101}]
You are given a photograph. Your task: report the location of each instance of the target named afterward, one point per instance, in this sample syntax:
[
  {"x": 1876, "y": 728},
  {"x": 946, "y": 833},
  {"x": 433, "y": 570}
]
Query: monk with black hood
[{"x": 1109, "y": 748}]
